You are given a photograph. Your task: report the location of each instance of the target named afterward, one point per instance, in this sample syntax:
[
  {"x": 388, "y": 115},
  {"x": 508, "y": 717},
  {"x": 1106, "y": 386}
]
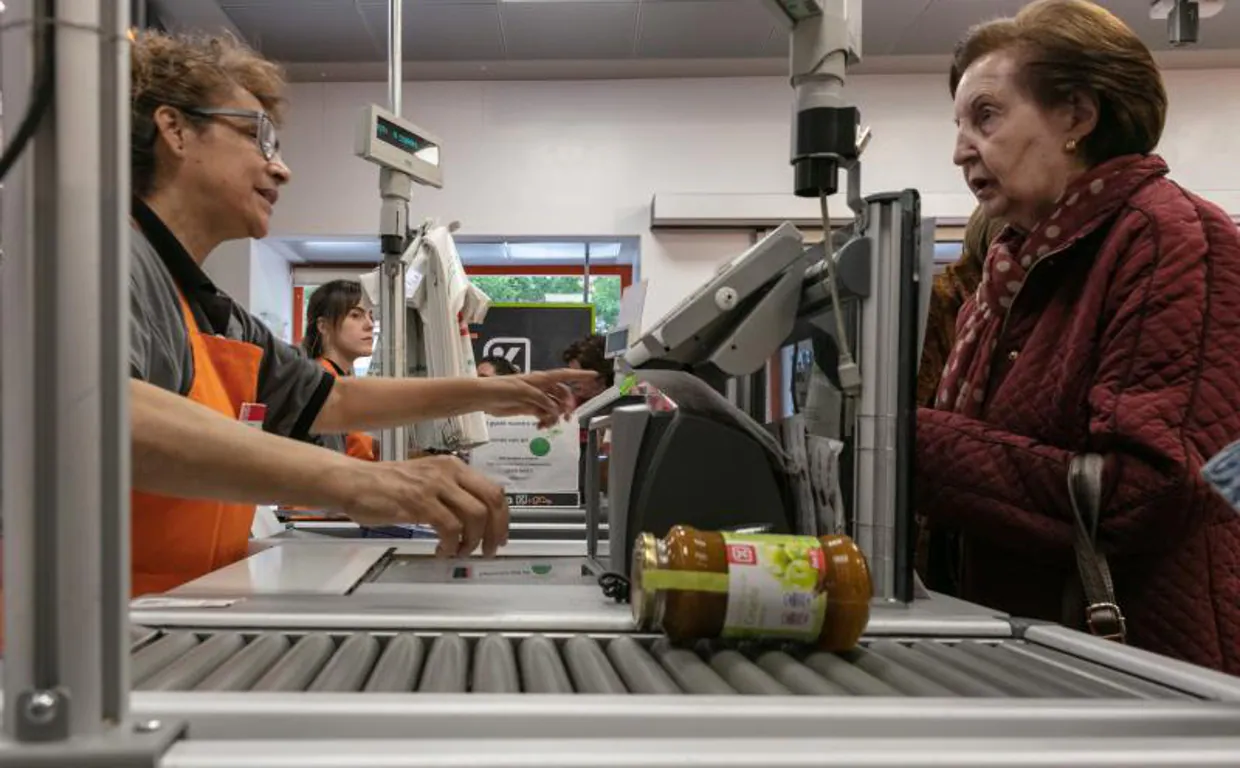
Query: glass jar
[{"x": 695, "y": 584}]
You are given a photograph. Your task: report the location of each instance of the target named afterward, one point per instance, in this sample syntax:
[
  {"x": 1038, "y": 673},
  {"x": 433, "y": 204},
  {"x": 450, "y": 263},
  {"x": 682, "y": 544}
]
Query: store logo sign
[{"x": 513, "y": 349}]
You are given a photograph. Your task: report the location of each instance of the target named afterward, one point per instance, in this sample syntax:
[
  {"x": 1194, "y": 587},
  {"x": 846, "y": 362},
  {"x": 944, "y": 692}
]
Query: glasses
[{"x": 265, "y": 136}]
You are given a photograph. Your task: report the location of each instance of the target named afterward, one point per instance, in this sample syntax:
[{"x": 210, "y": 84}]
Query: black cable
[
  {"x": 615, "y": 586},
  {"x": 41, "y": 92}
]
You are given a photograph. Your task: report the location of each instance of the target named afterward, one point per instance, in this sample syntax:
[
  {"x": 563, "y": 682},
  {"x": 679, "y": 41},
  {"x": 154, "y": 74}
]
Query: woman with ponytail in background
[{"x": 339, "y": 330}]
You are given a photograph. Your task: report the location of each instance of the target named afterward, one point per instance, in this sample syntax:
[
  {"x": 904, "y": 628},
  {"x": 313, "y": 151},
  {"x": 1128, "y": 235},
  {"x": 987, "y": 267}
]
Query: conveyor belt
[{"x": 495, "y": 663}]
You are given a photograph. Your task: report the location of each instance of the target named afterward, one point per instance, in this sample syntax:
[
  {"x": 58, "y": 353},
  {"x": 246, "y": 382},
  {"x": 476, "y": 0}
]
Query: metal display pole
[
  {"x": 114, "y": 359},
  {"x": 65, "y": 374},
  {"x": 884, "y": 440},
  {"x": 53, "y": 377},
  {"x": 395, "y": 189}
]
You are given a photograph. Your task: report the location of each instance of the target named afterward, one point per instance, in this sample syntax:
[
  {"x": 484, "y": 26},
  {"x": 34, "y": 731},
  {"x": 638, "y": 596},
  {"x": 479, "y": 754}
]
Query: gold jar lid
[{"x": 643, "y": 601}]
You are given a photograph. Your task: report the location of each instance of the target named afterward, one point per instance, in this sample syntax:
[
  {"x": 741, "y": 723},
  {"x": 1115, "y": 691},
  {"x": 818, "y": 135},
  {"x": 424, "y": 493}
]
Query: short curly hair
[
  {"x": 589, "y": 354},
  {"x": 1074, "y": 46},
  {"x": 190, "y": 71}
]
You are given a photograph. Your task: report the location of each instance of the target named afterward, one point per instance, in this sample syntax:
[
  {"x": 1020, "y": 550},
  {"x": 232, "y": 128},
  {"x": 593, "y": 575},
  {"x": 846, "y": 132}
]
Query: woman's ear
[
  {"x": 170, "y": 125},
  {"x": 1081, "y": 115},
  {"x": 322, "y": 326}
]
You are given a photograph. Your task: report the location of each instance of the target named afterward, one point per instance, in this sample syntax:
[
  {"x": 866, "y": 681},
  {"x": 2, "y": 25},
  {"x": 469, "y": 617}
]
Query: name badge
[{"x": 253, "y": 414}]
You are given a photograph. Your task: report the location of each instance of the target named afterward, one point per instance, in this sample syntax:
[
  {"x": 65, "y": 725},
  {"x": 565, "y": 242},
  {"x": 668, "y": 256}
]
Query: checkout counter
[{"x": 348, "y": 651}]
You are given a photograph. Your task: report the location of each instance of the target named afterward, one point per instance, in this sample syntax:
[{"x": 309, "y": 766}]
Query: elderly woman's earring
[{"x": 1070, "y": 146}]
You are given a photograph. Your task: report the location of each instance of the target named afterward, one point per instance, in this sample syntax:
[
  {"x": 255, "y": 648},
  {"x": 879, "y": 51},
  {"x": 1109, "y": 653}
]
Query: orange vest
[
  {"x": 359, "y": 445},
  {"x": 178, "y": 540}
]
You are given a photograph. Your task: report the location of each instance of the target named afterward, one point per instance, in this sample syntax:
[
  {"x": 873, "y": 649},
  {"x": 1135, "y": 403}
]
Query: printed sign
[
  {"x": 536, "y": 467},
  {"x": 515, "y": 351}
]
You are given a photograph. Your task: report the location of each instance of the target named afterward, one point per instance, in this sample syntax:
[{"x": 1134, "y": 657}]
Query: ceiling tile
[
  {"x": 326, "y": 30},
  {"x": 704, "y": 29},
  {"x": 443, "y": 31},
  {"x": 937, "y": 28},
  {"x": 569, "y": 30}
]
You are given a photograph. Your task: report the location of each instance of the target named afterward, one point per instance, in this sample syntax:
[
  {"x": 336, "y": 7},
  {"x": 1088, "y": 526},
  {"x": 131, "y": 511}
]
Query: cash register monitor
[{"x": 695, "y": 328}]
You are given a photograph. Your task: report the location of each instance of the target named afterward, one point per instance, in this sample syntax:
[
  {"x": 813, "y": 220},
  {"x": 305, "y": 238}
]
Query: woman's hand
[
  {"x": 463, "y": 506},
  {"x": 548, "y": 396}
]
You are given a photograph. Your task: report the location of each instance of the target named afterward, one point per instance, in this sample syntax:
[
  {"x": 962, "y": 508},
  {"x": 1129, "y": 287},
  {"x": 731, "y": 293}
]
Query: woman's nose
[
  {"x": 964, "y": 150},
  {"x": 280, "y": 170}
]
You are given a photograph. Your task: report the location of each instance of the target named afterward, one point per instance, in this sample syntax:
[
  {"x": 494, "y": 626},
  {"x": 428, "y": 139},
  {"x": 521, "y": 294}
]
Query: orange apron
[
  {"x": 178, "y": 540},
  {"x": 359, "y": 445}
]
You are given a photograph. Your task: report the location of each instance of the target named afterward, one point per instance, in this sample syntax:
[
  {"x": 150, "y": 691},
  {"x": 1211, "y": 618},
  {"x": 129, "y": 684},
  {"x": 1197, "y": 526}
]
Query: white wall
[
  {"x": 228, "y": 266},
  {"x": 258, "y": 278},
  {"x": 271, "y": 289},
  {"x": 585, "y": 158}
]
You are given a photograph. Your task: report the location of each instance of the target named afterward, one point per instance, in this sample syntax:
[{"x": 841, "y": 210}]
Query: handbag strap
[{"x": 1103, "y": 616}]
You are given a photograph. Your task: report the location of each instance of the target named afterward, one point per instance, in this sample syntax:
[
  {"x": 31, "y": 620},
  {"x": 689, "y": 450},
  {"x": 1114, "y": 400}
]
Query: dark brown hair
[
  {"x": 1073, "y": 47},
  {"x": 190, "y": 71},
  {"x": 331, "y": 302},
  {"x": 589, "y": 354},
  {"x": 502, "y": 365}
]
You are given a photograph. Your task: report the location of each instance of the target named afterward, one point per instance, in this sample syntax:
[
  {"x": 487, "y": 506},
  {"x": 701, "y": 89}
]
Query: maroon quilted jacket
[{"x": 1123, "y": 341}]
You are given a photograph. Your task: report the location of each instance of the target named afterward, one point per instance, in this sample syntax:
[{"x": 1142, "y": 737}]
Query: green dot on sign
[{"x": 540, "y": 446}]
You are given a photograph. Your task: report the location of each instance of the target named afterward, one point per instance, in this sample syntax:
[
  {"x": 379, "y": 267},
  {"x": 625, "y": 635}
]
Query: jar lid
[{"x": 642, "y": 601}]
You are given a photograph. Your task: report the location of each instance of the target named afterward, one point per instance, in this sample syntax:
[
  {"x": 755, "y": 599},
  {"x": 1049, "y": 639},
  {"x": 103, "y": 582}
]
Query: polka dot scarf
[{"x": 1090, "y": 200}]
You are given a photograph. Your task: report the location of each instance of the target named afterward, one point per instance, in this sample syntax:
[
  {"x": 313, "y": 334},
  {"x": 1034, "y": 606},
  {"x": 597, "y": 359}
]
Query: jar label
[{"x": 774, "y": 586}]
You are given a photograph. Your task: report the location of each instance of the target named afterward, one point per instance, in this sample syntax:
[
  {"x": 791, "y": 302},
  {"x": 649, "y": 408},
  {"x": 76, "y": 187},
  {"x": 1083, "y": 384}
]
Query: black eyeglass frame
[{"x": 266, "y": 140}]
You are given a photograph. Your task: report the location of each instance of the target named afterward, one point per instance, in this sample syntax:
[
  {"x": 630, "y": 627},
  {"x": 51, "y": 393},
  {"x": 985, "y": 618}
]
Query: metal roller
[
  {"x": 850, "y": 678},
  {"x": 160, "y": 654},
  {"x": 1050, "y": 678},
  {"x": 1116, "y": 681},
  {"x": 447, "y": 666},
  {"x": 980, "y": 668},
  {"x": 541, "y": 668},
  {"x": 905, "y": 680},
  {"x": 243, "y": 670},
  {"x": 937, "y": 668},
  {"x": 398, "y": 667},
  {"x": 299, "y": 666},
  {"x": 495, "y": 666},
  {"x": 689, "y": 671},
  {"x": 797, "y": 677},
  {"x": 590, "y": 670},
  {"x": 745, "y": 676},
  {"x": 349, "y": 666},
  {"x": 639, "y": 670},
  {"x": 193, "y": 667}
]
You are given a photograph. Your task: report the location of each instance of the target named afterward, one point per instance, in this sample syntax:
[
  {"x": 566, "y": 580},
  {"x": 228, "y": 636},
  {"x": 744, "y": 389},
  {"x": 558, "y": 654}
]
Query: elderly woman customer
[{"x": 1107, "y": 321}]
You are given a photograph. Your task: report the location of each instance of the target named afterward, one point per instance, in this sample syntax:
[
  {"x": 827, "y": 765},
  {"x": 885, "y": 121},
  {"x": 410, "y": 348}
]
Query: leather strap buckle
[{"x": 1105, "y": 620}]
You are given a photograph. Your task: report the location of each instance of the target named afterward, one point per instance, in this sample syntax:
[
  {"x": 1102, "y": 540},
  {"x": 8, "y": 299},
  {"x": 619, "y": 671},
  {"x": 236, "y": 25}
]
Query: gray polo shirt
[{"x": 292, "y": 386}]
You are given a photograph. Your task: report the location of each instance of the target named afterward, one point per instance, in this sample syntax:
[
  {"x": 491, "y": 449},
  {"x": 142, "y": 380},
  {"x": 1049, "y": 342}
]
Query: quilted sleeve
[{"x": 1159, "y": 340}]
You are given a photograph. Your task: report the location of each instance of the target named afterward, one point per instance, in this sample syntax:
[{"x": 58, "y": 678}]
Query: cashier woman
[
  {"x": 340, "y": 329},
  {"x": 221, "y": 409}
]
